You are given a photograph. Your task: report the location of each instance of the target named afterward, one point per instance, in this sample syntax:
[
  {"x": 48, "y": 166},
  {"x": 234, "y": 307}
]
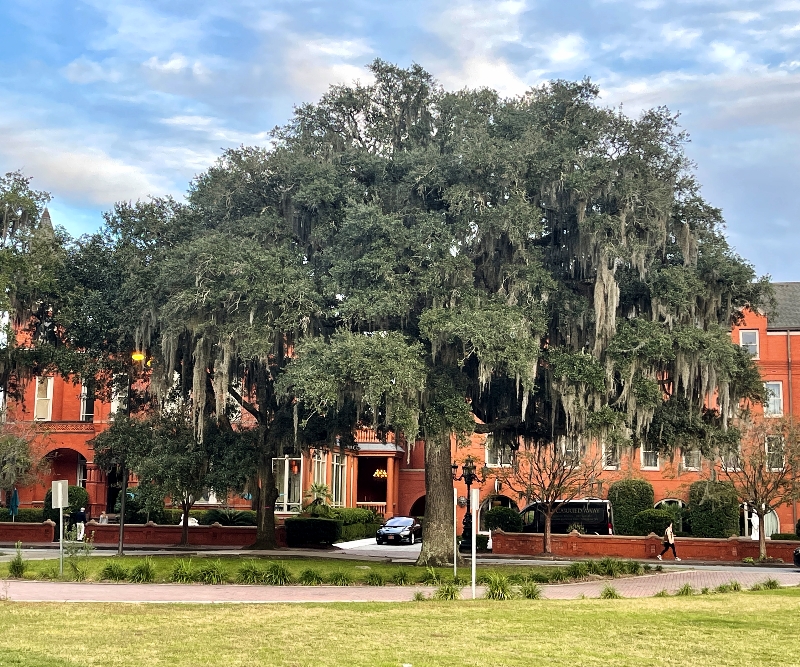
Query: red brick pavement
[{"x": 631, "y": 587}]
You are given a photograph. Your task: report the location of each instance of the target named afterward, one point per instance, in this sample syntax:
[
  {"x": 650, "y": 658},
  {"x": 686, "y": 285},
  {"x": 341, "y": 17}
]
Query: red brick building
[{"x": 386, "y": 476}]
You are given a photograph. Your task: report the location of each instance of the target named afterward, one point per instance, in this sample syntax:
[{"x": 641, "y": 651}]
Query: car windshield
[{"x": 399, "y": 521}]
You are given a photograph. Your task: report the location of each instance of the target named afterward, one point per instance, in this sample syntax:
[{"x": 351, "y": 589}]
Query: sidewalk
[{"x": 633, "y": 587}]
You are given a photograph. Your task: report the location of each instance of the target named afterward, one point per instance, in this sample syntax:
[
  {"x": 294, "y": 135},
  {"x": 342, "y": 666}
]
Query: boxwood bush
[
  {"x": 23, "y": 516},
  {"x": 629, "y": 497},
  {"x": 503, "y": 518},
  {"x": 652, "y": 521},
  {"x": 713, "y": 509}
]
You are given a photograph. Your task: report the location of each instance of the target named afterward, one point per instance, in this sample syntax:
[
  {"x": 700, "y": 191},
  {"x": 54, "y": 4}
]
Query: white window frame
[
  {"x": 726, "y": 459},
  {"x": 642, "y": 453},
  {"x": 80, "y": 473},
  {"x": 748, "y": 346},
  {"x": 48, "y": 398},
  {"x": 338, "y": 480},
  {"x": 770, "y": 452},
  {"x": 778, "y": 397},
  {"x": 607, "y": 449},
  {"x": 494, "y": 455},
  {"x": 319, "y": 467},
  {"x": 281, "y": 467},
  {"x": 690, "y": 464},
  {"x": 84, "y": 405}
]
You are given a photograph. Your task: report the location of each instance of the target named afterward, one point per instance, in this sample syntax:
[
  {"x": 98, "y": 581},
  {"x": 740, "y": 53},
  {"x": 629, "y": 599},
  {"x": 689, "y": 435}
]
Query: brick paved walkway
[{"x": 645, "y": 586}]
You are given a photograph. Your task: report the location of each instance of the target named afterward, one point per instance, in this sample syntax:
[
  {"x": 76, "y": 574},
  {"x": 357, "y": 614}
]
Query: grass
[
  {"x": 248, "y": 570},
  {"x": 623, "y": 633}
]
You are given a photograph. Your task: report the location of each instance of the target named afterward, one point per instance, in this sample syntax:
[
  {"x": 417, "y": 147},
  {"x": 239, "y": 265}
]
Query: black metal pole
[{"x": 122, "y": 509}]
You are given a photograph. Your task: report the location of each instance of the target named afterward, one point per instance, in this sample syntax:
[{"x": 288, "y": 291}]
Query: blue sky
[{"x": 105, "y": 100}]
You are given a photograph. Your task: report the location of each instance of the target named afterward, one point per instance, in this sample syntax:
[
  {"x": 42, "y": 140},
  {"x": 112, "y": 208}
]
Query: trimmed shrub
[
  {"x": 503, "y": 518},
  {"x": 652, "y": 521},
  {"x": 785, "y": 536},
  {"x": 313, "y": 532},
  {"x": 78, "y": 497},
  {"x": 359, "y": 531},
  {"x": 713, "y": 509},
  {"x": 797, "y": 528},
  {"x": 355, "y": 515},
  {"x": 23, "y": 515},
  {"x": 629, "y": 497}
]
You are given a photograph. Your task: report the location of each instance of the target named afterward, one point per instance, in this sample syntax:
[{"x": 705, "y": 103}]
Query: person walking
[
  {"x": 669, "y": 543},
  {"x": 80, "y": 523}
]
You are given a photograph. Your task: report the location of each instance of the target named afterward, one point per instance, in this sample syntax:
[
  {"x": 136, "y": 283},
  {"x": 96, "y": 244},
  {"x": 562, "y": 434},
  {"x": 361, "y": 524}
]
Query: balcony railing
[{"x": 378, "y": 508}]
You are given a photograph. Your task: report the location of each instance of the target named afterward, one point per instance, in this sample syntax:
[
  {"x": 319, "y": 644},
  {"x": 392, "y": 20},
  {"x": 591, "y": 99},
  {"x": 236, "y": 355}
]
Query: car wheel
[{"x": 378, "y": 541}]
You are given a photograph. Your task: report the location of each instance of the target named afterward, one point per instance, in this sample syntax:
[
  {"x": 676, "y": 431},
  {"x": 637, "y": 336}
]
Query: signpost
[
  {"x": 474, "y": 505},
  {"x": 60, "y": 497}
]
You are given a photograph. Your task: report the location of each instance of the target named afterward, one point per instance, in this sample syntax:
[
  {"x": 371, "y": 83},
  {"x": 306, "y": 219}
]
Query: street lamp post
[{"x": 469, "y": 476}]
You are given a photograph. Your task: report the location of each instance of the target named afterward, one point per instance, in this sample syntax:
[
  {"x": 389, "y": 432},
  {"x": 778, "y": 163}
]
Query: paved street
[{"x": 633, "y": 587}]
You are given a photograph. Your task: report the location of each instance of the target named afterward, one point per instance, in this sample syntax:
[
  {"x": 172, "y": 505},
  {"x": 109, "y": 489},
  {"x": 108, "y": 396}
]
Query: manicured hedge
[
  {"x": 353, "y": 515},
  {"x": 629, "y": 497},
  {"x": 23, "y": 515},
  {"x": 312, "y": 532},
  {"x": 785, "y": 536},
  {"x": 503, "y": 518},
  {"x": 713, "y": 509},
  {"x": 359, "y": 531},
  {"x": 652, "y": 521}
]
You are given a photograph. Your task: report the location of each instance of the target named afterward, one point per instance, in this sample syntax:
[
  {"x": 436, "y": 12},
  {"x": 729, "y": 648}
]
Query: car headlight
[{"x": 405, "y": 532}]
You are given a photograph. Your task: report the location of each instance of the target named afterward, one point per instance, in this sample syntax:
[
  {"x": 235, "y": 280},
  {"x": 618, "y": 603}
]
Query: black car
[
  {"x": 797, "y": 557},
  {"x": 399, "y": 529}
]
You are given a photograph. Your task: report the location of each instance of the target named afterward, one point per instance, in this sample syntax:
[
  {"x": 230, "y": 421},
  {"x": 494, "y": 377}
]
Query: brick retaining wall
[
  {"x": 576, "y": 545},
  {"x": 27, "y": 533},
  {"x": 151, "y": 533}
]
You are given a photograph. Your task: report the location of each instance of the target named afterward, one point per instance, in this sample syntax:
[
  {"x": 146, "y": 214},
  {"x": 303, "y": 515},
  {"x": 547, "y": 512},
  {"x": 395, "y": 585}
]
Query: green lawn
[
  {"x": 357, "y": 570},
  {"x": 740, "y": 629}
]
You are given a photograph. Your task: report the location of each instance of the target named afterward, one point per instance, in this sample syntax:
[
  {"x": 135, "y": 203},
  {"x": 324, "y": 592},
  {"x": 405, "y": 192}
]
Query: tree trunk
[
  {"x": 266, "y": 495},
  {"x": 437, "y": 535},
  {"x": 762, "y": 538},
  {"x": 548, "y": 532}
]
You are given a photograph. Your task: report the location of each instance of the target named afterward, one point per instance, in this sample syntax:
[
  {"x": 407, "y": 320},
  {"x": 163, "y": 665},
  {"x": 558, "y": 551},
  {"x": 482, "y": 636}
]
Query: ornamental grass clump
[
  {"x": 114, "y": 571},
  {"x": 498, "y": 587},
  {"x": 685, "y": 590},
  {"x": 530, "y": 590},
  {"x": 578, "y": 570},
  {"x": 447, "y": 591},
  {"x": 771, "y": 584},
  {"x": 401, "y": 577},
  {"x": 310, "y": 577},
  {"x": 375, "y": 579},
  {"x": 277, "y": 574},
  {"x": 633, "y": 567},
  {"x": 610, "y": 593},
  {"x": 17, "y": 566},
  {"x": 340, "y": 578},
  {"x": 143, "y": 572},
  {"x": 663, "y": 593},
  {"x": 211, "y": 573},
  {"x": 183, "y": 572},
  {"x": 558, "y": 575},
  {"x": 250, "y": 573},
  {"x": 611, "y": 567},
  {"x": 430, "y": 577}
]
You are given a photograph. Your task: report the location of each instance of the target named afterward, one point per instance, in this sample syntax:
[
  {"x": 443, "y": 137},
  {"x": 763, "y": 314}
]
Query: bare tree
[
  {"x": 764, "y": 469},
  {"x": 551, "y": 474}
]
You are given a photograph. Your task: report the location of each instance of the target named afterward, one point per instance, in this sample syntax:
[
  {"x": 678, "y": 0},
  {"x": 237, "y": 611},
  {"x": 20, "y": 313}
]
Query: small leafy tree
[
  {"x": 550, "y": 474},
  {"x": 763, "y": 472},
  {"x": 21, "y": 461}
]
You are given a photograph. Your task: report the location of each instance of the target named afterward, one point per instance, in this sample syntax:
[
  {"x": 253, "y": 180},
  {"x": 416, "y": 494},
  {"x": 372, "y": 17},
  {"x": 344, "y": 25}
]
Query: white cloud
[
  {"x": 312, "y": 65},
  {"x": 680, "y": 36},
  {"x": 83, "y": 70},
  {"x": 742, "y": 17},
  {"x": 728, "y": 56},
  {"x": 215, "y": 130},
  {"x": 566, "y": 50}
]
